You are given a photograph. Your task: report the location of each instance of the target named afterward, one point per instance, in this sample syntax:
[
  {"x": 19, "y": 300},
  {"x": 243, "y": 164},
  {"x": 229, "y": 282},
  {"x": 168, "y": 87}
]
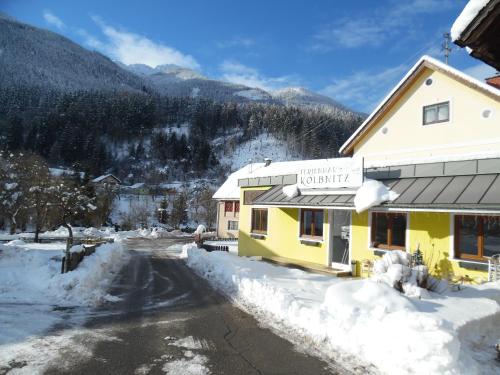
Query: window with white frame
[
  {"x": 436, "y": 113},
  {"x": 232, "y": 225}
]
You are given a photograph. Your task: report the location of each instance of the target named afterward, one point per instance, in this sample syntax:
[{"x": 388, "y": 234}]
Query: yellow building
[{"x": 433, "y": 142}]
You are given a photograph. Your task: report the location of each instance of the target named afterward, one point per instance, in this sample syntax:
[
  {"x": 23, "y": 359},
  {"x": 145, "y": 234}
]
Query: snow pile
[
  {"x": 291, "y": 191},
  {"x": 395, "y": 270},
  {"x": 370, "y": 320},
  {"x": 98, "y": 233},
  {"x": 34, "y": 276},
  {"x": 372, "y": 193},
  {"x": 201, "y": 229},
  {"x": 470, "y": 12}
]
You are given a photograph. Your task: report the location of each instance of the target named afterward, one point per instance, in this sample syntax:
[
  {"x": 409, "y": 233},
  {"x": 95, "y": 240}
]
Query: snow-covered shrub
[{"x": 396, "y": 269}]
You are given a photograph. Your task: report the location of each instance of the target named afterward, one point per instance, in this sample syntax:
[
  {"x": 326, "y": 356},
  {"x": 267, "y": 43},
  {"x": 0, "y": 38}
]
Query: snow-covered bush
[{"x": 396, "y": 269}]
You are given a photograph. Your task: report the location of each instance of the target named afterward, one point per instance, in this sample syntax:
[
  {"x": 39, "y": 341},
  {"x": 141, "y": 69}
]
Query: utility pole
[{"x": 446, "y": 47}]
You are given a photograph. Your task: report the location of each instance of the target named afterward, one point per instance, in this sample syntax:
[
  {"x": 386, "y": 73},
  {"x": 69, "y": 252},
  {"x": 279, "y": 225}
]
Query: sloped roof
[
  {"x": 424, "y": 62},
  {"x": 230, "y": 189},
  {"x": 468, "y": 14},
  {"x": 104, "y": 176},
  {"x": 437, "y": 193}
]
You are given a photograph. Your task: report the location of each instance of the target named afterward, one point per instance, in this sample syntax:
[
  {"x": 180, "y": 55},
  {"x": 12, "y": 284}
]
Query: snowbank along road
[{"x": 167, "y": 320}]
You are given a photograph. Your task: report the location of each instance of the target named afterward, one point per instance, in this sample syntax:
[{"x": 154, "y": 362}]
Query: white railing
[{"x": 494, "y": 268}]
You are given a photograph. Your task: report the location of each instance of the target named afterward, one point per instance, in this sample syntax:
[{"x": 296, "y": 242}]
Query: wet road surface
[{"x": 169, "y": 320}]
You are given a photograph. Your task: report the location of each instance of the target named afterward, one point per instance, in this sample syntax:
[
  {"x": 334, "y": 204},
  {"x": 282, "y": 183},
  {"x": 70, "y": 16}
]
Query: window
[
  {"x": 311, "y": 224},
  {"x": 236, "y": 206},
  {"x": 477, "y": 237},
  {"x": 436, "y": 113},
  {"x": 388, "y": 230},
  {"x": 232, "y": 225},
  {"x": 259, "y": 220},
  {"x": 250, "y": 195},
  {"x": 228, "y": 207}
]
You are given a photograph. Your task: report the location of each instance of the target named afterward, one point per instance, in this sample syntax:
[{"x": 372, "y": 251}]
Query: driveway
[{"x": 169, "y": 320}]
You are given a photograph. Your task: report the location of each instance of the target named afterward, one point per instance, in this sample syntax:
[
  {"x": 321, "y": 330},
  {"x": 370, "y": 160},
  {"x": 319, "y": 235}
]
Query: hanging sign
[{"x": 331, "y": 174}]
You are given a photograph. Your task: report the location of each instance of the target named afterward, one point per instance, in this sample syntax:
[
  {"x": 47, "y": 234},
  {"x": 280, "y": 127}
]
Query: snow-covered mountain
[
  {"x": 173, "y": 80},
  {"x": 302, "y": 97},
  {"x": 32, "y": 56},
  {"x": 36, "y": 57}
]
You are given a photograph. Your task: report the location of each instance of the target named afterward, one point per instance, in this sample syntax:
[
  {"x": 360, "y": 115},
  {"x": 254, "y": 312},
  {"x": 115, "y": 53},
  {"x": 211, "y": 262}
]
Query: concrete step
[{"x": 307, "y": 266}]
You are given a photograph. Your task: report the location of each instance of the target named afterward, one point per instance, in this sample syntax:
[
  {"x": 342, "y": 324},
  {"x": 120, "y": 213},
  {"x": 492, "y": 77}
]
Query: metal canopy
[
  {"x": 275, "y": 197},
  {"x": 442, "y": 192}
]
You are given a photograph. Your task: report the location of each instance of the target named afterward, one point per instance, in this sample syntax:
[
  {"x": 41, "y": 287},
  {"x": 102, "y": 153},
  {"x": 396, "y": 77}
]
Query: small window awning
[{"x": 473, "y": 192}]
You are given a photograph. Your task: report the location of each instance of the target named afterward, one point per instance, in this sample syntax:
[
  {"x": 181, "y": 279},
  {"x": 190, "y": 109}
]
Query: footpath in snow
[
  {"x": 449, "y": 333},
  {"x": 40, "y": 307}
]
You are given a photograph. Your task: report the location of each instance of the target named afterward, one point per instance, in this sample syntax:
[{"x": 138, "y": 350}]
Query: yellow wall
[
  {"x": 282, "y": 238},
  {"x": 407, "y": 139},
  {"x": 431, "y": 232}
]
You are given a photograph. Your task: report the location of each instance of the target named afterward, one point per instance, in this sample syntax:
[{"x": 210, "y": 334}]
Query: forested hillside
[
  {"x": 102, "y": 131},
  {"x": 78, "y": 109}
]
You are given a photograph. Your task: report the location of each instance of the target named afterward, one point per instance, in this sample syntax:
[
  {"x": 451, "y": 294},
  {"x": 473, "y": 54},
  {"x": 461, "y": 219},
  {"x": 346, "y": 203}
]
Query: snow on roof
[
  {"x": 430, "y": 62},
  {"x": 104, "y": 176},
  {"x": 137, "y": 185},
  {"x": 470, "y": 12},
  {"x": 171, "y": 185},
  {"x": 231, "y": 190},
  {"x": 58, "y": 172}
]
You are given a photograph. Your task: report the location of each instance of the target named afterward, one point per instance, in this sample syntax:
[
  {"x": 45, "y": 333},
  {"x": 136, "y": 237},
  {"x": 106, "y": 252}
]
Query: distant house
[
  {"x": 478, "y": 29},
  {"x": 228, "y": 204},
  {"x": 106, "y": 181}
]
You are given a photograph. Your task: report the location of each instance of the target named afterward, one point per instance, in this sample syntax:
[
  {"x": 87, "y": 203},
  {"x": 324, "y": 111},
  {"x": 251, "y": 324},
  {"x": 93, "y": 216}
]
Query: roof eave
[{"x": 407, "y": 80}]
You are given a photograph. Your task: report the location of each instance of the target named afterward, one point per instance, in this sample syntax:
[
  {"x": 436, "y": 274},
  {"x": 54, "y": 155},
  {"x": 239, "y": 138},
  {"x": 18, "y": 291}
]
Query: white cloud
[
  {"x": 237, "y": 42},
  {"x": 53, "y": 20},
  {"x": 376, "y": 28},
  {"x": 365, "y": 89},
  {"x": 131, "y": 48},
  {"x": 90, "y": 40},
  {"x": 235, "y": 72},
  {"x": 480, "y": 71}
]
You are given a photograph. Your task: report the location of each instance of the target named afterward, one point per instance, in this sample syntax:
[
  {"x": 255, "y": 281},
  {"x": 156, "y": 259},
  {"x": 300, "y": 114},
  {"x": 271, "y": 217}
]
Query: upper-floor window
[
  {"x": 228, "y": 207},
  {"x": 436, "y": 113},
  {"x": 477, "y": 237},
  {"x": 236, "y": 206}
]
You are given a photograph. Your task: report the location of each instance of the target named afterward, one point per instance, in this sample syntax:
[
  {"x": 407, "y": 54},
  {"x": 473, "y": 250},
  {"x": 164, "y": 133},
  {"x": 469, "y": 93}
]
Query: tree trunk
[
  {"x": 37, "y": 234},
  {"x": 69, "y": 243}
]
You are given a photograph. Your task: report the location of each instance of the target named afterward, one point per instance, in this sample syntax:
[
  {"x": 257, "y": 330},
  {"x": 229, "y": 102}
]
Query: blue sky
[{"x": 352, "y": 51}]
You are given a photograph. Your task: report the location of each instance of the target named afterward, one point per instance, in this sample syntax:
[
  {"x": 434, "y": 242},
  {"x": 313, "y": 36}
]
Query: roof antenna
[{"x": 446, "y": 47}]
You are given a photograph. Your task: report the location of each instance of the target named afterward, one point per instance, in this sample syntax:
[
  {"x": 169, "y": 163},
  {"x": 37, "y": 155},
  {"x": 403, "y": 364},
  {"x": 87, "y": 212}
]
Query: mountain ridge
[{"x": 34, "y": 56}]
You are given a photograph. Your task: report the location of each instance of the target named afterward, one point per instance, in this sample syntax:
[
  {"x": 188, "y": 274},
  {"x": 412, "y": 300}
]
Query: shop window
[
  {"x": 477, "y": 237},
  {"x": 236, "y": 206},
  {"x": 228, "y": 207},
  {"x": 232, "y": 225},
  {"x": 311, "y": 224},
  {"x": 436, "y": 113},
  {"x": 259, "y": 220},
  {"x": 388, "y": 230}
]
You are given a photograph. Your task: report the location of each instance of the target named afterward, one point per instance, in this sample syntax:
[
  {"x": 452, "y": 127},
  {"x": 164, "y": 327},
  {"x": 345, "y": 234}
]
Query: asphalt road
[{"x": 169, "y": 320}]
